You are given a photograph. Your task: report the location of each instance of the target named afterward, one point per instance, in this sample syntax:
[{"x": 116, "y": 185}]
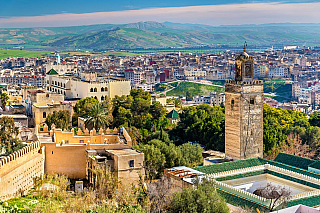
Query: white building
[{"x": 87, "y": 85}]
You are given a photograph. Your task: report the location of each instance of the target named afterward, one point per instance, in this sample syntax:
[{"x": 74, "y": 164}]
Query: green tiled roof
[
  {"x": 315, "y": 165},
  {"x": 290, "y": 168},
  {"x": 52, "y": 72},
  {"x": 227, "y": 166},
  {"x": 173, "y": 114},
  {"x": 308, "y": 201},
  {"x": 294, "y": 160}
]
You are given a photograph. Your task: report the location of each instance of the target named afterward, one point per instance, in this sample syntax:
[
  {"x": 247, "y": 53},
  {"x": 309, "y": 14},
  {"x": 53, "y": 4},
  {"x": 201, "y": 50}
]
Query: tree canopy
[
  {"x": 61, "y": 119},
  {"x": 8, "y": 135},
  {"x": 203, "y": 124},
  {"x": 204, "y": 198}
]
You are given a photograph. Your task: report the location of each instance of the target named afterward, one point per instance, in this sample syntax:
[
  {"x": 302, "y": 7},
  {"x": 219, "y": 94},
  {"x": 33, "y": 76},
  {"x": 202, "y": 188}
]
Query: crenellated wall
[{"x": 18, "y": 170}]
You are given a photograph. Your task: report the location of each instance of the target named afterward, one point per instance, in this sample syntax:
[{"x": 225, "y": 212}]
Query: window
[
  {"x": 66, "y": 141},
  {"x": 232, "y": 102},
  {"x": 102, "y": 89},
  {"x": 52, "y": 152},
  {"x": 131, "y": 163},
  {"x": 106, "y": 89},
  {"x": 251, "y": 101},
  {"x": 91, "y": 90},
  {"x": 102, "y": 98},
  {"x": 81, "y": 141},
  {"x": 95, "y": 90},
  {"x": 44, "y": 114}
]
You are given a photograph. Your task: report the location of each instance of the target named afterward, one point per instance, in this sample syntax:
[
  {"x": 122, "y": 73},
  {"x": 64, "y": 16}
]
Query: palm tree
[
  {"x": 99, "y": 117},
  {"x": 4, "y": 100}
]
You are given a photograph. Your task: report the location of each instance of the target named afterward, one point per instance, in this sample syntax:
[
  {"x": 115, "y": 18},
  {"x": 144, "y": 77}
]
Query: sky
[{"x": 43, "y": 13}]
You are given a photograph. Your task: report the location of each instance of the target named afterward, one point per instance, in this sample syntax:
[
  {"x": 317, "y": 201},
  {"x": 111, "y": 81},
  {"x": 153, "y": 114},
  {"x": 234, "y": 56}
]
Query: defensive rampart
[{"x": 18, "y": 170}]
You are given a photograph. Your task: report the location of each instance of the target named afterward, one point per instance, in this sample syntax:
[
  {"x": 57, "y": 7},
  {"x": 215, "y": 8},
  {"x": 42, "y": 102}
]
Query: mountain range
[{"x": 154, "y": 35}]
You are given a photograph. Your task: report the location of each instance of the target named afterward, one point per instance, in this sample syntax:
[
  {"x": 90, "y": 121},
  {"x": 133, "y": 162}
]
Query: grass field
[
  {"x": 98, "y": 53},
  {"x": 21, "y": 53},
  {"x": 194, "y": 88}
]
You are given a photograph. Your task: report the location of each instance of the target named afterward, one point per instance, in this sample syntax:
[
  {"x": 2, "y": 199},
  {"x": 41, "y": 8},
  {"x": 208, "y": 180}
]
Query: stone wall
[
  {"x": 244, "y": 119},
  {"x": 18, "y": 170}
]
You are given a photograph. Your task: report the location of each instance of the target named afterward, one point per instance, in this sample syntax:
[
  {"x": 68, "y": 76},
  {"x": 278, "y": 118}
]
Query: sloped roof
[
  {"x": 294, "y": 160},
  {"x": 315, "y": 165},
  {"x": 227, "y": 166},
  {"x": 173, "y": 114},
  {"x": 52, "y": 72}
]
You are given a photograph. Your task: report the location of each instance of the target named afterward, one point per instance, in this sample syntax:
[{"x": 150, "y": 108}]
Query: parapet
[
  {"x": 253, "y": 82},
  {"x": 18, "y": 156}
]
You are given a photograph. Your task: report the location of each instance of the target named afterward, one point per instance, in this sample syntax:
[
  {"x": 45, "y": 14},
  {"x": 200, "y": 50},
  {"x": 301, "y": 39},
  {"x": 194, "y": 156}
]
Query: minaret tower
[{"x": 244, "y": 111}]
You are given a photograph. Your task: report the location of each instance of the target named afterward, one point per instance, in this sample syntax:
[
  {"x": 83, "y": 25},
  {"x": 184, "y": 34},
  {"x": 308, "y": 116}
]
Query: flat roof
[
  {"x": 123, "y": 152},
  {"x": 14, "y": 116}
]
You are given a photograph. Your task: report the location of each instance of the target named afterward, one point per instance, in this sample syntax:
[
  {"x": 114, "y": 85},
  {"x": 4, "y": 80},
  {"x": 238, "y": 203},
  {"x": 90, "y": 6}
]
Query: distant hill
[{"x": 154, "y": 35}]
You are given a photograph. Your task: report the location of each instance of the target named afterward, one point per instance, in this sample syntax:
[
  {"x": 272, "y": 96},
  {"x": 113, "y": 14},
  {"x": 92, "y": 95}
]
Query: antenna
[{"x": 244, "y": 46}]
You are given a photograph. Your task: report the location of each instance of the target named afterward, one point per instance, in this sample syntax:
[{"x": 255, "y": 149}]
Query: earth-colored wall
[
  {"x": 18, "y": 170},
  {"x": 244, "y": 120}
]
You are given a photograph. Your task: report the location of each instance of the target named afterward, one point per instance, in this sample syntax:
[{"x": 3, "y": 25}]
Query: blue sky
[
  {"x": 11, "y": 8},
  {"x": 41, "y": 13}
]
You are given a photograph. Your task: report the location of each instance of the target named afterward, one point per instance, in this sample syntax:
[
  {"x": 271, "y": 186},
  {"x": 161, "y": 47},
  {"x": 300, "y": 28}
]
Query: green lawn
[
  {"x": 21, "y": 53},
  {"x": 194, "y": 88}
]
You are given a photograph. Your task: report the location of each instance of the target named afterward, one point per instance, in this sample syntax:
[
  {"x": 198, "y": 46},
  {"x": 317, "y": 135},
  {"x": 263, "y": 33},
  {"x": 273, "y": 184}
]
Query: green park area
[
  {"x": 21, "y": 53},
  {"x": 195, "y": 89}
]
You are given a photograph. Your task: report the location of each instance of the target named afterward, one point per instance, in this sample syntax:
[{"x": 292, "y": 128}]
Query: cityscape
[{"x": 123, "y": 111}]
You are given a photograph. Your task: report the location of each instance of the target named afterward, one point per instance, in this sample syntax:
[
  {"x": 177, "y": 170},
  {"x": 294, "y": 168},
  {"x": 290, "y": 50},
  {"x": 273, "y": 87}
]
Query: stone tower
[{"x": 244, "y": 112}]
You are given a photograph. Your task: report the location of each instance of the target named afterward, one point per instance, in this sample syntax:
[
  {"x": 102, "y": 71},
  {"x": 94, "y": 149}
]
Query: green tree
[
  {"x": 121, "y": 101},
  {"x": 203, "y": 124},
  {"x": 4, "y": 100},
  {"x": 172, "y": 153},
  {"x": 189, "y": 96},
  {"x": 154, "y": 160},
  {"x": 8, "y": 135},
  {"x": 315, "y": 119},
  {"x": 157, "y": 110},
  {"x": 192, "y": 154},
  {"x": 99, "y": 117},
  {"x": 140, "y": 93},
  {"x": 123, "y": 117},
  {"x": 61, "y": 119},
  {"x": 82, "y": 108},
  {"x": 140, "y": 108},
  {"x": 202, "y": 199}
]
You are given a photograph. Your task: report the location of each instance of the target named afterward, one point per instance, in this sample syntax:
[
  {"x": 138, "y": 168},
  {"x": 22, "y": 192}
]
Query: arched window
[
  {"x": 64, "y": 85},
  {"x": 102, "y": 89},
  {"x": 55, "y": 83},
  {"x": 95, "y": 90},
  {"x": 58, "y": 84},
  {"x": 106, "y": 89},
  {"x": 47, "y": 81},
  {"x": 91, "y": 90},
  {"x": 44, "y": 114},
  {"x": 102, "y": 98},
  {"x": 64, "y": 93},
  {"x": 95, "y": 97}
]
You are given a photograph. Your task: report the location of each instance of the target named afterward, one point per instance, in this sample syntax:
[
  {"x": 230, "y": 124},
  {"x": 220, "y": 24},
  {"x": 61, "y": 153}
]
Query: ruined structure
[{"x": 243, "y": 112}]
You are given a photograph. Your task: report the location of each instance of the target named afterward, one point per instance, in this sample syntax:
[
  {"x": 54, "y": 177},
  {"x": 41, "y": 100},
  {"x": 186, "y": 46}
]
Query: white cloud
[{"x": 252, "y": 13}]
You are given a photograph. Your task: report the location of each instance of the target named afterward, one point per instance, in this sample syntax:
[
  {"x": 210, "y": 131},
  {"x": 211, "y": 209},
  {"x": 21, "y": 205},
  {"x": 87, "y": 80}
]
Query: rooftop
[{"x": 123, "y": 152}]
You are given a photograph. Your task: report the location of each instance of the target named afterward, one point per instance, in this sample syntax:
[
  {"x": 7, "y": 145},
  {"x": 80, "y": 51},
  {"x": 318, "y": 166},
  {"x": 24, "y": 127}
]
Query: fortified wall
[{"x": 18, "y": 170}]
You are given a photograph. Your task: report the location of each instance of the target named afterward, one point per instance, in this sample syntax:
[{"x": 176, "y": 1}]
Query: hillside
[{"x": 153, "y": 35}]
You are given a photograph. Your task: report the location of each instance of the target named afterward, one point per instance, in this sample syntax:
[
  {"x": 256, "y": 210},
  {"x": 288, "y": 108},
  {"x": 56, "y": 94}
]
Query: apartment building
[{"x": 87, "y": 84}]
